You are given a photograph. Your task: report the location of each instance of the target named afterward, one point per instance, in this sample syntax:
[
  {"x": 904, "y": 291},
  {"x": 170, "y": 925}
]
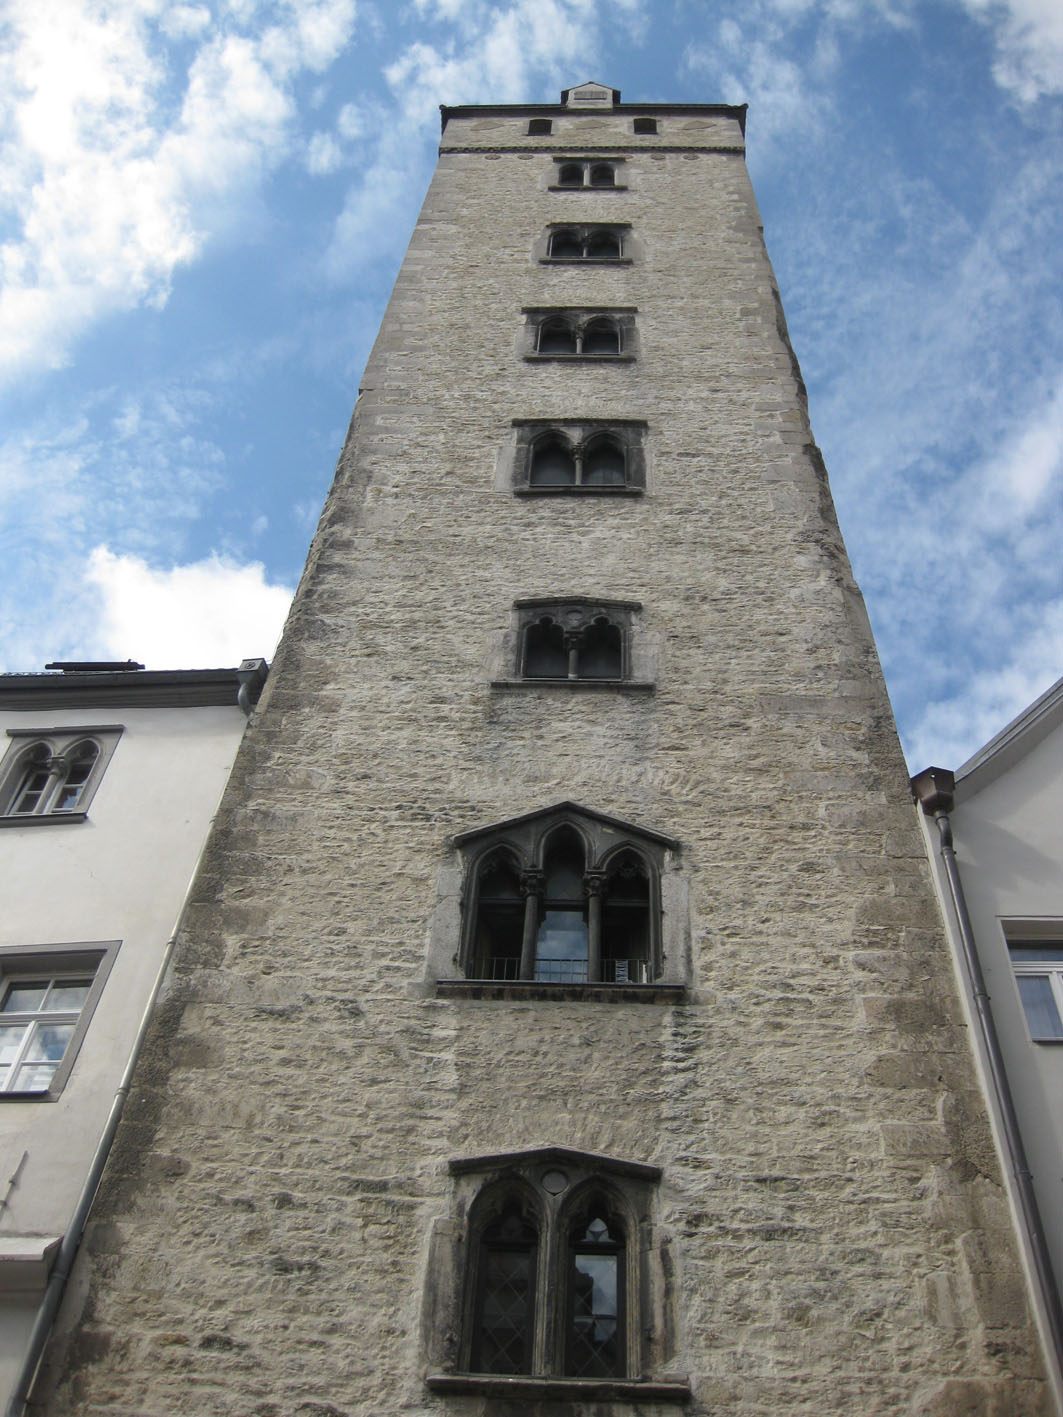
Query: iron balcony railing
[{"x": 563, "y": 971}]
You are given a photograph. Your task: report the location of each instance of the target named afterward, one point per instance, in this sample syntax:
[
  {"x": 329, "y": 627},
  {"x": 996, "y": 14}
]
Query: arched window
[
  {"x": 602, "y": 174},
  {"x": 566, "y": 246},
  {"x": 562, "y": 941},
  {"x": 626, "y": 935},
  {"x": 602, "y": 246},
  {"x": 553, "y": 464},
  {"x": 558, "y": 900},
  {"x": 570, "y": 174},
  {"x": 49, "y": 778},
  {"x": 600, "y": 336},
  {"x": 560, "y": 1272},
  {"x": 585, "y": 243},
  {"x": 602, "y": 463},
  {"x": 504, "y": 1321},
  {"x": 499, "y": 919},
  {"x": 600, "y": 654},
  {"x": 594, "y": 1328},
  {"x": 557, "y": 337},
  {"x": 545, "y": 655}
]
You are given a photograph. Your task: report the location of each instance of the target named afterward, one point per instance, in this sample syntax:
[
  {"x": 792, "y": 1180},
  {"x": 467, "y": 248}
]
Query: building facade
[
  {"x": 995, "y": 837},
  {"x": 109, "y": 780},
  {"x": 562, "y": 1021}
]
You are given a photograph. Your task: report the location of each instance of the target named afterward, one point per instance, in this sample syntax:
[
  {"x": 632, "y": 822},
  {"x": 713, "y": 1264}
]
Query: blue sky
[{"x": 203, "y": 206}]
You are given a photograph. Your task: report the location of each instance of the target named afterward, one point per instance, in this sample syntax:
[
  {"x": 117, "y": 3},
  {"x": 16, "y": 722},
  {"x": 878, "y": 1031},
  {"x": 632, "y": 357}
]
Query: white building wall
[
  {"x": 121, "y": 875},
  {"x": 1007, "y": 826}
]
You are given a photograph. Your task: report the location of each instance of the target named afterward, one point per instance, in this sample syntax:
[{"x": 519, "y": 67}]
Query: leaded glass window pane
[
  {"x": 595, "y": 1344},
  {"x": 506, "y": 1307}
]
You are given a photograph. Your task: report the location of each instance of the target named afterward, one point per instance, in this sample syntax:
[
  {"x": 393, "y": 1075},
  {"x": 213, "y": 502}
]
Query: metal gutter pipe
[{"x": 934, "y": 790}]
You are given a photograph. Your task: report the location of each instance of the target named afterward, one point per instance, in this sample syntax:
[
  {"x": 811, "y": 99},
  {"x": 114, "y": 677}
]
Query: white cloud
[
  {"x": 212, "y": 613},
  {"x": 952, "y": 728},
  {"x": 504, "y": 54},
  {"x": 121, "y": 156},
  {"x": 323, "y": 154}
]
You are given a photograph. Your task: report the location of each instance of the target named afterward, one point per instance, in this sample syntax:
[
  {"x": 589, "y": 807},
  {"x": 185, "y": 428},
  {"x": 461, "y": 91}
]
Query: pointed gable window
[
  {"x": 557, "y": 1275},
  {"x": 564, "y": 897}
]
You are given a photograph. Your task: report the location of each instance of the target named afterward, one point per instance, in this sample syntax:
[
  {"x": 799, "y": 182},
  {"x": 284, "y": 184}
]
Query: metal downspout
[{"x": 934, "y": 791}]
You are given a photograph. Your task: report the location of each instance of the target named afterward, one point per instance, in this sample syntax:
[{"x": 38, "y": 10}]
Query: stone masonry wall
[{"x": 841, "y": 1240}]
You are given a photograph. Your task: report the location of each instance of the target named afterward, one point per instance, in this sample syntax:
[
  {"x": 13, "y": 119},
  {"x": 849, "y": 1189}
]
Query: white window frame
[
  {"x": 58, "y": 750},
  {"x": 56, "y": 962},
  {"x": 1051, "y": 970}
]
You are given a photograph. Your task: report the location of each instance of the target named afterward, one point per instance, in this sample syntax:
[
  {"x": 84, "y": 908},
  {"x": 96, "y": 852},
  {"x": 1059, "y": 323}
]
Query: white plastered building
[{"x": 109, "y": 780}]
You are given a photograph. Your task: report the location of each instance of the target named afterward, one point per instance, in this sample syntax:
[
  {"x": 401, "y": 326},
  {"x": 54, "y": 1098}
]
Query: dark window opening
[
  {"x": 602, "y": 246},
  {"x": 602, "y": 174},
  {"x": 626, "y": 944},
  {"x": 566, "y": 246},
  {"x": 500, "y": 921},
  {"x": 553, "y": 464},
  {"x": 540, "y": 127},
  {"x": 545, "y": 655},
  {"x": 601, "y": 337},
  {"x": 557, "y": 337},
  {"x": 570, "y": 174},
  {"x": 603, "y": 464},
  {"x": 645, "y": 125},
  {"x": 601, "y": 653}
]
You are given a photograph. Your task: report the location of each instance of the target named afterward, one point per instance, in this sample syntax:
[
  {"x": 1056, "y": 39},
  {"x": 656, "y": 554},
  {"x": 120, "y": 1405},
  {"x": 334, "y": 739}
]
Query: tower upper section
[{"x": 592, "y": 114}]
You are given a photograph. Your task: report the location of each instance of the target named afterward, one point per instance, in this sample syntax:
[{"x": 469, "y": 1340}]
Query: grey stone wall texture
[{"x": 268, "y": 1237}]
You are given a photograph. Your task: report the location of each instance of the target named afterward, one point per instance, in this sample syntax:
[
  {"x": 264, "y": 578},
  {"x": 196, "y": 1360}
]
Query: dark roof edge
[
  {"x": 560, "y": 110},
  {"x": 148, "y": 688}
]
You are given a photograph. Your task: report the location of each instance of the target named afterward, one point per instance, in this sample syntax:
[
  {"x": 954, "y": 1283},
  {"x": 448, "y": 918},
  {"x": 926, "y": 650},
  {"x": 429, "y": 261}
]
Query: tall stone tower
[{"x": 562, "y": 1022}]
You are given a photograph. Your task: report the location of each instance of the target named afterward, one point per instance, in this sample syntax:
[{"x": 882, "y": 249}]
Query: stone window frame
[
  {"x": 551, "y": 1186},
  {"x": 575, "y": 614},
  {"x": 629, "y": 433},
  {"x": 49, "y": 961},
  {"x": 577, "y": 318},
  {"x": 585, "y": 232},
  {"x": 451, "y": 940},
  {"x": 55, "y": 750},
  {"x": 589, "y": 166}
]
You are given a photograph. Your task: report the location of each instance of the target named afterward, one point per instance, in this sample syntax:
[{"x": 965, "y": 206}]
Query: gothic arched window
[
  {"x": 594, "y": 1325},
  {"x": 553, "y": 463},
  {"x": 570, "y": 173},
  {"x": 559, "y": 900},
  {"x": 52, "y": 777},
  {"x": 585, "y": 243},
  {"x": 575, "y": 641},
  {"x": 504, "y": 1322},
  {"x": 559, "y": 1270}
]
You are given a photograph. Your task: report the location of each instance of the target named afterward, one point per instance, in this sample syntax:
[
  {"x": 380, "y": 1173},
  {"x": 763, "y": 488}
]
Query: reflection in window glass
[{"x": 1039, "y": 976}]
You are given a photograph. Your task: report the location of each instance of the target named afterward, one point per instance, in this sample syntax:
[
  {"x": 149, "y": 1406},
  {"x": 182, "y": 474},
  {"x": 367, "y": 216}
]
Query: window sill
[
  {"x": 561, "y": 1389},
  {"x": 43, "y": 819},
  {"x": 640, "y": 686},
  {"x": 585, "y": 261},
  {"x": 580, "y": 358},
  {"x": 588, "y": 188},
  {"x": 515, "y": 990},
  {"x": 570, "y": 489}
]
